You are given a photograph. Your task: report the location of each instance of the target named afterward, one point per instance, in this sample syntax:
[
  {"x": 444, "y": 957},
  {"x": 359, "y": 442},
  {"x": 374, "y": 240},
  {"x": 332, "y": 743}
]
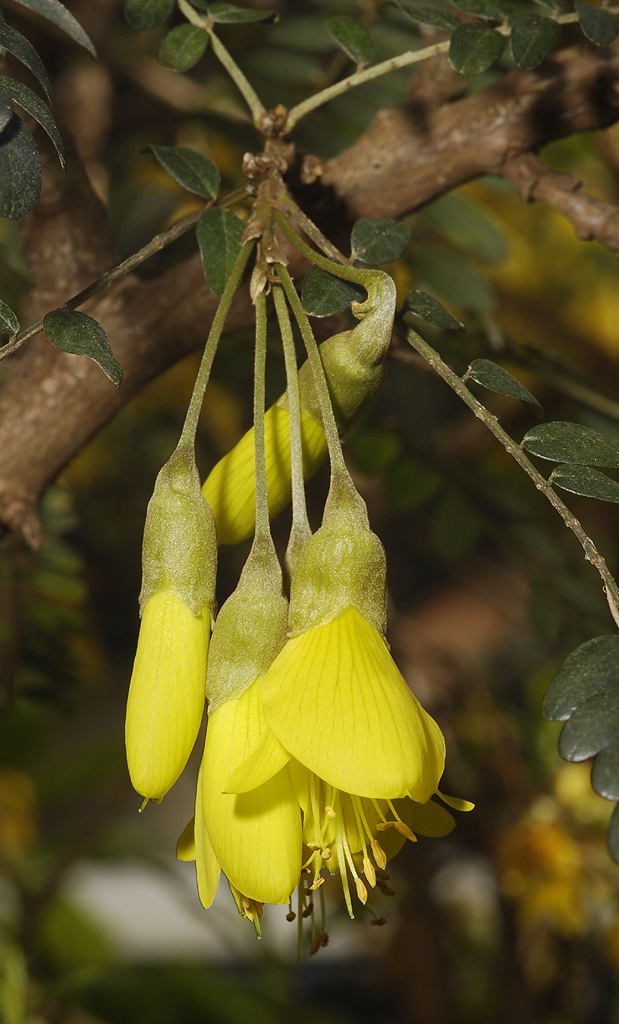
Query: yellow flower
[
  {"x": 230, "y": 487},
  {"x": 166, "y": 694},
  {"x": 339, "y": 714}
]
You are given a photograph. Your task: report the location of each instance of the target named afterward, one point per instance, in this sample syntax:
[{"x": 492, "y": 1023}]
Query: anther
[
  {"x": 384, "y": 877},
  {"x": 404, "y": 830},
  {"x": 320, "y": 939},
  {"x": 291, "y": 916},
  {"x": 380, "y": 921},
  {"x": 326, "y": 853},
  {"x": 313, "y": 846},
  {"x": 362, "y": 892},
  {"x": 368, "y": 871},
  {"x": 317, "y": 884},
  {"x": 308, "y": 910},
  {"x": 382, "y": 826},
  {"x": 379, "y": 854},
  {"x": 330, "y": 811},
  {"x": 386, "y": 889}
]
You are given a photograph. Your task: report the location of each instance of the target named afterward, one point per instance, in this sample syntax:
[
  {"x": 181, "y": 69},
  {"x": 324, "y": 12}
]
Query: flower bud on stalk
[{"x": 166, "y": 695}]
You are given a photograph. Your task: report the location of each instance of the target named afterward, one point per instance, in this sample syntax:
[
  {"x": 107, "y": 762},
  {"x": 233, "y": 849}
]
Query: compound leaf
[
  {"x": 9, "y": 324},
  {"x": 605, "y": 772},
  {"x": 24, "y": 51},
  {"x": 20, "y": 170},
  {"x": 431, "y": 310},
  {"x": 591, "y": 727},
  {"x": 147, "y": 14},
  {"x": 35, "y": 106},
  {"x": 586, "y": 481},
  {"x": 600, "y": 26},
  {"x": 182, "y": 47}
]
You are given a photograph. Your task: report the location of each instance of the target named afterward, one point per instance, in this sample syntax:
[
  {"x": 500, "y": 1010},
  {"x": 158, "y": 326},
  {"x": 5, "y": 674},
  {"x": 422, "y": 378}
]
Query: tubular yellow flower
[{"x": 167, "y": 690}]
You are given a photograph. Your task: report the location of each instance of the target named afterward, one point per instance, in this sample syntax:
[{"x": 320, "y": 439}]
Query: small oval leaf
[
  {"x": 379, "y": 241},
  {"x": 9, "y": 324},
  {"x": 147, "y": 14},
  {"x": 430, "y": 309},
  {"x": 591, "y": 669},
  {"x": 586, "y": 481},
  {"x": 229, "y": 14},
  {"x": 475, "y": 48},
  {"x": 18, "y": 45},
  {"x": 562, "y": 441},
  {"x": 484, "y": 9},
  {"x": 82, "y": 335},
  {"x": 591, "y": 728},
  {"x": 20, "y": 170},
  {"x": 533, "y": 38},
  {"x": 492, "y": 376},
  {"x": 219, "y": 234},
  {"x": 354, "y": 39},
  {"x": 181, "y": 48},
  {"x": 599, "y": 26},
  {"x": 58, "y": 14},
  {"x": 605, "y": 772},
  {"x": 323, "y": 294},
  {"x": 191, "y": 169},
  {"x": 430, "y": 16},
  {"x": 35, "y": 106}
]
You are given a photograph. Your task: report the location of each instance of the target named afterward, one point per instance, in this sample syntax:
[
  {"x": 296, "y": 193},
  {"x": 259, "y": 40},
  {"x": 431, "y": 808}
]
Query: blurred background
[{"x": 515, "y": 915}]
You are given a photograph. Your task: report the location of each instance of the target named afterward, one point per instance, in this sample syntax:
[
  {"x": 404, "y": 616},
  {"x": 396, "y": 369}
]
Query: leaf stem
[
  {"x": 262, "y": 530},
  {"x": 193, "y": 412},
  {"x": 311, "y": 230},
  {"x": 358, "y": 275},
  {"x": 491, "y": 422},
  {"x": 338, "y": 466},
  {"x": 110, "y": 277},
  {"x": 300, "y": 531}
]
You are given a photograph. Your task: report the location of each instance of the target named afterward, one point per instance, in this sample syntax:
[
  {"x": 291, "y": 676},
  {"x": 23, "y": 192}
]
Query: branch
[{"x": 566, "y": 193}]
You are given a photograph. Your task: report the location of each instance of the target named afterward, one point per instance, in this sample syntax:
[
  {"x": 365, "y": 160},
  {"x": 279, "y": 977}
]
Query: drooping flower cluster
[{"x": 317, "y": 755}]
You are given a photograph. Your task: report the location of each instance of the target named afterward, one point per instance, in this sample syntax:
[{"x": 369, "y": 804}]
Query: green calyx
[
  {"x": 250, "y": 630},
  {"x": 353, "y": 360},
  {"x": 179, "y": 553},
  {"x": 343, "y": 564}
]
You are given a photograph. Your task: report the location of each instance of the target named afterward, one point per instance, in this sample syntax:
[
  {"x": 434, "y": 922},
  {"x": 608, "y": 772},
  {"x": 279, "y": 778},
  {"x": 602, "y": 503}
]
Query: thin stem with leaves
[{"x": 455, "y": 382}]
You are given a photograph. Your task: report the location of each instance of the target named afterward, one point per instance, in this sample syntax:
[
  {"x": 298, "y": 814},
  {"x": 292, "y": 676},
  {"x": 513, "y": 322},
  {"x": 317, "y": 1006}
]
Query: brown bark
[{"x": 53, "y": 402}]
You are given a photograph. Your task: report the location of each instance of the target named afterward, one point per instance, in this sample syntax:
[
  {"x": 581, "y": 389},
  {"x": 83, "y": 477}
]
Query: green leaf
[
  {"x": 562, "y": 441},
  {"x": 456, "y": 527},
  {"x": 323, "y": 294},
  {"x": 591, "y": 727},
  {"x": 431, "y": 310},
  {"x": 492, "y": 376},
  {"x": 586, "y": 481},
  {"x": 613, "y": 835},
  {"x": 82, "y": 335},
  {"x": 147, "y": 14},
  {"x": 18, "y": 45},
  {"x": 591, "y": 669},
  {"x": 6, "y": 108},
  {"x": 484, "y": 9},
  {"x": 533, "y": 38},
  {"x": 605, "y": 772},
  {"x": 379, "y": 241},
  {"x": 20, "y": 170},
  {"x": 9, "y": 324},
  {"x": 354, "y": 39},
  {"x": 600, "y": 26},
  {"x": 430, "y": 16},
  {"x": 191, "y": 169},
  {"x": 35, "y": 106},
  {"x": 475, "y": 48},
  {"x": 57, "y": 13},
  {"x": 227, "y": 14},
  {"x": 469, "y": 226},
  {"x": 453, "y": 276},
  {"x": 219, "y": 234},
  {"x": 182, "y": 47}
]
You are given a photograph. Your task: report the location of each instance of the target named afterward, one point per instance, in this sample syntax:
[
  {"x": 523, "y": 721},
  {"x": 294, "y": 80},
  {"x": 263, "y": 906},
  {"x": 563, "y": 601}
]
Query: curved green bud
[
  {"x": 343, "y": 564},
  {"x": 354, "y": 363},
  {"x": 179, "y": 553}
]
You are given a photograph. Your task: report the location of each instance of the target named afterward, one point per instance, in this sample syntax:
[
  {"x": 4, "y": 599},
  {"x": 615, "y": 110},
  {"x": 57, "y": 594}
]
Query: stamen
[
  {"x": 378, "y": 810},
  {"x": 380, "y": 873},
  {"x": 343, "y": 873},
  {"x": 382, "y": 826},
  {"x": 379, "y": 854},
  {"x": 323, "y": 914},
  {"x": 308, "y": 910},
  {"x": 290, "y": 916},
  {"x": 376, "y": 920},
  {"x": 386, "y": 889},
  {"x": 368, "y": 871},
  {"x": 316, "y": 885},
  {"x": 320, "y": 939},
  {"x": 362, "y": 892},
  {"x": 404, "y": 830},
  {"x": 330, "y": 811},
  {"x": 300, "y": 904},
  {"x": 326, "y": 853},
  {"x": 355, "y": 802}
]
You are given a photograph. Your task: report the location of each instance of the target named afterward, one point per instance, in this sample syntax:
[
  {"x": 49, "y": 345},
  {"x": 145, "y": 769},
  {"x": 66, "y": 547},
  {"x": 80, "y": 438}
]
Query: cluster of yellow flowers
[{"x": 317, "y": 755}]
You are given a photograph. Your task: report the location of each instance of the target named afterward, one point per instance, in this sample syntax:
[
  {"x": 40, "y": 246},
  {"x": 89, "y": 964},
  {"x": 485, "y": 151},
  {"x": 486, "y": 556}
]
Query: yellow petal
[
  {"x": 207, "y": 865},
  {"x": 456, "y": 802},
  {"x": 267, "y": 760},
  {"x": 256, "y": 836},
  {"x": 428, "y": 819},
  {"x": 186, "y": 846},
  {"x": 336, "y": 700},
  {"x": 230, "y": 487},
  {"x": 166, "y": 695}
]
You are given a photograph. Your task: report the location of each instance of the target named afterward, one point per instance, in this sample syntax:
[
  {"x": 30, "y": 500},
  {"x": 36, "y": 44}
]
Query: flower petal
[
  {"x": 207, "y": 865},
  {"x": 456, "y": 802},
  {"x": 267, "y": 760},
  {"x": 256, "y": 836},
  {"x": 166, "y": 695},
  {"x": 230, "y": 487},
  {"x": 186, "y": 846},
  {"x": 336, "y": 700}
]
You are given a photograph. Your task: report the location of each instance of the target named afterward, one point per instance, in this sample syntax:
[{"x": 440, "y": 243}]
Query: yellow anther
[
  {"x": 326, "y": 853},
  {"x": 382, "y": 826},
  {"x": 362, "y": 892},
  {"x": 317, "y": 884},
  {"x": 368, "y": 871},
  {"x": 379, "y": 854},
  {"x": 330, "y": 811},
  {"x": 404, "y": 830},
  {"x": 313, "y": 846}
]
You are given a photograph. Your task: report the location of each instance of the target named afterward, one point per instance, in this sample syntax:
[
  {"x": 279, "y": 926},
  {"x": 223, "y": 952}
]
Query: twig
[
  {"x": 156, "y": 244},
  {"x": 491, "y": 422},
  {"x": 566, "y": 193}
]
